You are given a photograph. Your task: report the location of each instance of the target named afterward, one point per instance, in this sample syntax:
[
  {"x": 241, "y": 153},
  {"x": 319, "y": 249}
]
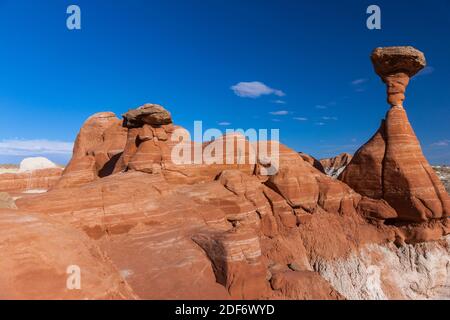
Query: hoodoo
[
  {"x": 141, "y": 225},
  {"x": 391, "y": 165}
]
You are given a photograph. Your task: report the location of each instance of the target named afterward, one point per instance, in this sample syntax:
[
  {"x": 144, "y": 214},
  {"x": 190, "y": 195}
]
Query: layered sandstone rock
[
  {"x": 236, "y": 224},
  {"x": 6, "y": 201},
  {"x": 312, "y": 161},
  {"x": 39, "y": 255},
  {"x": 231, "y": 236},
  {"x": 391, "y": 165},
  {"x": 18, "y": 182},
  {"x": 334, "y": 166},
  {"x": 303, "y": 285},
  {"x": 97, "y": 148}
]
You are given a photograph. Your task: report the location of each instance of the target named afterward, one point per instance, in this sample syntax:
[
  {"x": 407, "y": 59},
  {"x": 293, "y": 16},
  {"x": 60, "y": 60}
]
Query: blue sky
[{"x": 312, "y": 56}]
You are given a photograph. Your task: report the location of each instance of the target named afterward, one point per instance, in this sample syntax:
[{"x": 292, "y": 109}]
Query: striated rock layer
[
  {"x": 37, "y": 254},
  {"x": 141, "y": 224},
  {"x": 41, "y": 179},
  {"x": 97, "y": 148},
  {"x": 230, "y": 235}
]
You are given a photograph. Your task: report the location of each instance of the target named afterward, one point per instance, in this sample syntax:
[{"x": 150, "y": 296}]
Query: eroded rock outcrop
[
  {"x": 312, "y": 161},
  {"x": 6, "y": 201},
  {"x": 334, "y": 166},
  {"x": 37, "y": 254},
  {"x": 417, "y": 272},
  {"x": 230, "y": 229},
  {"x": 235, "y": 236},
  {"x": 30, "y": 181},
  {"x": 391, "y": 166},
  {"x": 98, "y": 146}
]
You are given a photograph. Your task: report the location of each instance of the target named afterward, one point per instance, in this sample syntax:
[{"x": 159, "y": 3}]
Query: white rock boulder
[{"x": 36, "y": 163}]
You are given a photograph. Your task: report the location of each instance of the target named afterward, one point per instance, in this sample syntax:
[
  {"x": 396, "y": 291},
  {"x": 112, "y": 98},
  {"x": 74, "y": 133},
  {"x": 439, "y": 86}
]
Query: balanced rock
[
  {"x": 391, "y": 165},
  {"x": 152, "y": 114},
  {"x": 395, "y": 66}
]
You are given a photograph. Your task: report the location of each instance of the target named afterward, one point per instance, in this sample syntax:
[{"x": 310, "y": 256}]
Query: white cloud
[
  {"x": 300, "y": 118},
  {"x": 320, "y": 123},
  {"x": 224, "y": 123},
  {"x": 279, "y": 113},
  {"x": 29, "y": 148},
  {"x": 442, "y": 143},
  {"x": 329, "y": 118},
  {"x": 276, "y": 120},
  {"x": 255, "y": 89},
  {"x": 319, "y": 106},
  {"x": 358, "y": 82},
  {"x": 279, "y": 101}
]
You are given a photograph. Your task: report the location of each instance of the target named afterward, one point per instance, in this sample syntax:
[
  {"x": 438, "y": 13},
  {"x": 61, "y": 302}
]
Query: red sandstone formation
[
  {"x": 6, "y": 201},
  {"x": 42, "y": 179},
  {"x": 234, "y": 235},
  {"x": 149, "y": 227},
  {"x": 391, "y": 165},
  {"x": 36, "y": 254},
  {"x": 97, "y": 148},
  {"x": 312, "y": 161}
]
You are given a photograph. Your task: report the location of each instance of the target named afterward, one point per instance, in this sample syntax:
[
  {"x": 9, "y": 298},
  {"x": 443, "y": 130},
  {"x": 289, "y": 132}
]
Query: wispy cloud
[
  {"x": 320, "y": 123},
  {"x": 330, "y": 118},
  {"x": 320, "y": 106},
  {"x": 224, "y": 123},
  {"x": 255, "y": 89},
  {"x": 358, "y": 82},
  {"x": 279, "y": 101},
  {"x": 300, "y": 118},
  {"x": 441, "y": 143},
  {"x": 279, "y": 113},
  {"x": 276, "y": 120},
  {"x": 28, "y": 148}
]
